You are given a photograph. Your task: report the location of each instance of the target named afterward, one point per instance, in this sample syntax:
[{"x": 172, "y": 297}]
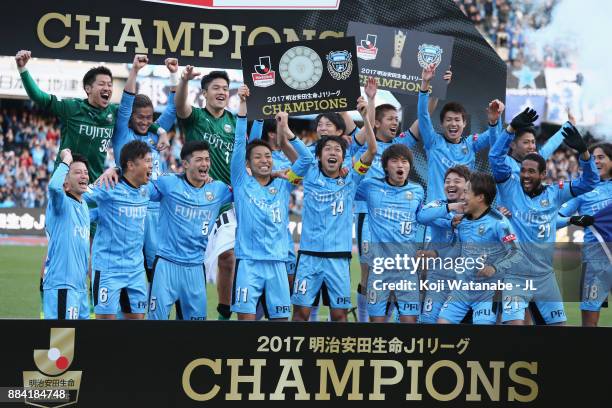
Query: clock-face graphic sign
[{"x": 304, "y": 77}]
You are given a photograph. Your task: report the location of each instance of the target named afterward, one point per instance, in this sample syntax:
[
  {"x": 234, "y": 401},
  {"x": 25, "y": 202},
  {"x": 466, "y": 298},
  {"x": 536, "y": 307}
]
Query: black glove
[
  {"x": 573, "y": 139},
  {"x": 524, "y": 119},
  {"x": 582, "y": 220}
]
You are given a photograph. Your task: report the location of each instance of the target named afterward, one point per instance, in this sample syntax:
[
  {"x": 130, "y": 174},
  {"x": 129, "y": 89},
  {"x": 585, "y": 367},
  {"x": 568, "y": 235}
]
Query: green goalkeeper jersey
[
  {"x": 219, "y": 133},
  {"x": 85, "y": 129}
]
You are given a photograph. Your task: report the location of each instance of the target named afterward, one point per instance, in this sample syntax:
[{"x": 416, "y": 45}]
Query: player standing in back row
[{"x": 216, "y": 126}]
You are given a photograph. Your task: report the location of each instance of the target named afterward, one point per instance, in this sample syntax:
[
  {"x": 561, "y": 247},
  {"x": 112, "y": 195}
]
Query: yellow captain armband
[
  {"x": 293, "y": 178},
  {"x": 360, "y": 167}
]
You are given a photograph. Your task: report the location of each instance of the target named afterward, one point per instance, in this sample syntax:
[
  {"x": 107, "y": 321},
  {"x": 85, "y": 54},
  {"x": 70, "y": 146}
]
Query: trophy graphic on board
[{"x": 398, "y": 46}]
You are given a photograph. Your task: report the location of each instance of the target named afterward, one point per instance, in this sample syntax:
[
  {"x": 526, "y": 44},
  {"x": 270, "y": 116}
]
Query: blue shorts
[
  {"x": 546, "y": 297},
  {"x": 313, "y": 272},
  {"x": 406, "y": 301},
  {"x": 261, "y": 281},
  {"x": 432, "y": 304},
  {"x": 362, "y": 227},
  {"x": 183, "y": 285},
  {"x": 596, "y": 284},
  {"x": 65, "y": 304},
  {"x": 459, "y": 303},
  {"x": 151, "y": 238},
  {"x": 111, "y": 290}
]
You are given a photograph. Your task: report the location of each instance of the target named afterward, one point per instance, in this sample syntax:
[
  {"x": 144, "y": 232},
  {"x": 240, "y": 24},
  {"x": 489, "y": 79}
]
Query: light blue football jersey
[{"x": 67, "y": 226}]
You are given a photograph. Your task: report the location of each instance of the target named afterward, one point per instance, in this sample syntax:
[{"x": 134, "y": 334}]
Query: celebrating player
[
  {"x": 441, "y": 216},
  {"x": 597, "y": 274},
  {"x": 87, "y": 124},
  {"x": 450, "y": 149},
  {"x": 134, "y": 120},
  {"x": 189, "y": 205},
  {"x": 534, "y": 208},
  {"x": 215, "y": 125},
  {"x": 393, "y": 203},
  {"x": 488, "y": 251},
  {"x": 67, "y": 227},
  {"x": 326, "y": 242},
  {"x": 119, "y": 277},
  {"x": 261, "y": 204}
]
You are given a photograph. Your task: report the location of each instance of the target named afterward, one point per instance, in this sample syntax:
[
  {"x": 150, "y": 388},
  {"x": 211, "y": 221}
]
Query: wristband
[{"x": 173, "y": 81}]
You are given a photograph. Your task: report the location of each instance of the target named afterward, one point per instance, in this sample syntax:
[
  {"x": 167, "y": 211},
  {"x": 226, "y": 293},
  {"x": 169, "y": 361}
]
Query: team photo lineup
[{"x": 135, "y": 240}]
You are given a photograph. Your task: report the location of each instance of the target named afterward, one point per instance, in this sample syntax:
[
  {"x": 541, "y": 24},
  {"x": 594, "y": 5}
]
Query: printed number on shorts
[
  {"x": 103, "y": 295},
  {"x": 508, "y": 300},
  {"x": 428, "y": 305},
  {"x": 405, "y": 227},
  {"x": 300, "y": 286},
  {"x": 205, "y": 228},
  {"x": 544, "y": 230},
  {"x": 73, "y": 313},
  {"x": 337, "y": 207},
  {"x": 372, "y": 296},
  {"x": 591, "y": 292},
  {"x": 241, "y": 294},
  {"x": 447, "y": 302},
  {"x": 153, "y": 303}
]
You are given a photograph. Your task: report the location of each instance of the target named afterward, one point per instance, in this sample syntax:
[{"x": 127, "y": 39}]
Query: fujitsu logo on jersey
[
  {"x": 393, "y": 214},
  {"x": 82, "y": 232},
  {"x": 216, "y": 142},
  {"x": 326, "y": 197},
  {"x": 191, "y": 213},
  {"x": 133, "y": 212},
  {"x": 534, "y": 217},
  {"x": 263, "y": 204},
  {"x": 95, "y": 131}
]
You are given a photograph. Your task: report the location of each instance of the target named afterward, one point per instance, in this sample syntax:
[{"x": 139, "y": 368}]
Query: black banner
[
  {"x": 22, "y": 221},
  {"x": 237, "y": 364},
  {"x": 113, "y": 30},
  {"x": 304, "y": 77},
  {"x": 396, "y": 57}
]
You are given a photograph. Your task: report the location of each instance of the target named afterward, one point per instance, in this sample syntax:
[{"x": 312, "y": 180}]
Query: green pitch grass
[{"x": 20, "y": 297}]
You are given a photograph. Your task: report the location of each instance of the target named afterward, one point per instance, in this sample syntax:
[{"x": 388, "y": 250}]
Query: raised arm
[
  {"x": 368, "y": 156},
  {"x": 302, "y": 157},
  {"x": 37, "y": 95},
  {"x": 489, "y": 136},
  {"x": 238, "y": 164},
  {"x": 124, "y": 113},
  {"x": 590, "y": 175},
  {"x": 370, "y": 88},
  {"x": 497, "y": 157},
  {"x": 167, "y": 118},
  {"x": 57, "y": 196},
  {"x": 183, "y": 107},
  {"x": 426, "y": 130},
  {"x": 283, "y": 135},
  {"x": 431, "y": 107},
  {"x": 256, "y": 130}
]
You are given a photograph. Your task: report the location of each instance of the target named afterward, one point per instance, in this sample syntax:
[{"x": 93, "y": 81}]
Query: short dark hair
[
  {"x": 380, "y": 110},
  {"x": 132, "y": 151},
  {"x": 462, "y": 171},
  {"x": 193, "y": 146},
  {"x": 334, "y": 118},
  {"x": 141, "y": 101},
  {"x": 90, "y": 76},
  {"x": 521, "y": 132},
  {"x": 483, "y": 183},
  {"x": 538, "y": 159},
  {"x": 606, "y": 147},
  {"x": 328, "y": 138},
  {"x": 452, "y": 107},
  {"x": 396, "y": 151},
  {"x": 254, "y": 144},
  {"x": 80, "y": 158},
  {"x": 211, "y": 76}
]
